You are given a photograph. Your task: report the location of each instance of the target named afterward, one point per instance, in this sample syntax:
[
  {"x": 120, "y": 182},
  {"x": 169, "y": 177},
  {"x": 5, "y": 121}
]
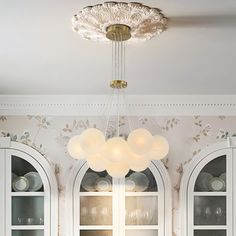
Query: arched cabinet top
[
  {"x": 197, "y": 181},
  {"x": 204, "y": 154},
  {"x": 73, "y": 190},
  {"x": 32, "y": 160},
  {"x": 6, "y": 143}
]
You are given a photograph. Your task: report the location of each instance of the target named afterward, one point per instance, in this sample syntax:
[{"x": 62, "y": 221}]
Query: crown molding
[{"x": 94, "y": 105}]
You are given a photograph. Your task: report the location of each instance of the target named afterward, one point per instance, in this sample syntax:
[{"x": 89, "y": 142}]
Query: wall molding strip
[{"x": 96, "y": 105}]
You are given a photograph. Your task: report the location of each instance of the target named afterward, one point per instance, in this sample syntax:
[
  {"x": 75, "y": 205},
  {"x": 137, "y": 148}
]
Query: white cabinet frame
[
  {"x": 190, "y": 175},
  {"x": 73, "y": 192},
  {"x": 8, "y": 149}
]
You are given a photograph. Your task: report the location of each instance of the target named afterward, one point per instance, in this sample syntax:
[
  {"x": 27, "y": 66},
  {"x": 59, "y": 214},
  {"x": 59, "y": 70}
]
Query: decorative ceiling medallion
[{"x": 93, "y": 21}]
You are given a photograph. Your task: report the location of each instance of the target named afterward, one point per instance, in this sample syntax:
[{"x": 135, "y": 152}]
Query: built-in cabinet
[
  {"x": 137, "y": 205},
  {"x": 208, "y": 192},
  {"x": 28, "y": 198},
  {"x": 97, "y": 204}
]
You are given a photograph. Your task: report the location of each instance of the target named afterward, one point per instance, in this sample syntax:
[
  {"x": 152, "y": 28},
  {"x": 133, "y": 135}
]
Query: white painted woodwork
[
  {"x": 50, "y": 193},
  {"x": 2, "y": 193},
  {"x": 191, "y": 172},
  {"x": 118, "y": 195},
  {"x": 140, "y": 105}
]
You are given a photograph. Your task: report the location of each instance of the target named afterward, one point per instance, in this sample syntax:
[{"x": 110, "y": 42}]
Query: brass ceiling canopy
[
  {"x": 118, "y": 32},
  {"x": 134, "y": 21}
]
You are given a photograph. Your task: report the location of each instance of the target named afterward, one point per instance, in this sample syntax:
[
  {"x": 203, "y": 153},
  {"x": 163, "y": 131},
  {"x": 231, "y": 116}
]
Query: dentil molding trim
[{"x": 97, "y": 105}]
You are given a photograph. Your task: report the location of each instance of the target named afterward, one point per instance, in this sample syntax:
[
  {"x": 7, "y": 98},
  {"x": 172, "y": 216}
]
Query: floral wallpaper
[{"x": 187, "y": 136}]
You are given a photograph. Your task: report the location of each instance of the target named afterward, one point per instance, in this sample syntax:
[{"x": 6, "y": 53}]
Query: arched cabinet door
[
  {"x": 138, "y": 205},
  {"x": 29, "y": 195},
  {"x": 207, "y": 191}
]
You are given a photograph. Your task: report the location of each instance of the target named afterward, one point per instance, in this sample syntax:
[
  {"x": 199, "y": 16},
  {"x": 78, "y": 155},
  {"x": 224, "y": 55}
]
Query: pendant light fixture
[{"x": 118, "y": 22}]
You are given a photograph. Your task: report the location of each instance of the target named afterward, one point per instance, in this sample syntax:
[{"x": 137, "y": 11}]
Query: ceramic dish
[
  {"x": 223, "y": 176},
  {"x": 129, "y": 185},
  {"x": 35, "y": 182},
  {"x": 13, "y": 176},
  {"x": 202, "y": 182},
  {"x": 89, "y": 181},
  {"x": 141, "y": 181},
  {"x": 103, "y": 184},
  {"x": 109, "y": 177},
  {"x": 217, "y": 184},
  {"x": 20, "y": 184}
]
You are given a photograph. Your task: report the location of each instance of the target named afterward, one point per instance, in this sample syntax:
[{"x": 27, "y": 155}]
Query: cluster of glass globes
[{"x": 117, "y": 155}]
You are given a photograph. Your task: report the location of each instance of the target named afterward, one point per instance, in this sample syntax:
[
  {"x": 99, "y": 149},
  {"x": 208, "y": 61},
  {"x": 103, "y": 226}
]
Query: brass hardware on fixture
[
  {"x": 118, "y": 84},
  {"x": 118, "y": 32}
]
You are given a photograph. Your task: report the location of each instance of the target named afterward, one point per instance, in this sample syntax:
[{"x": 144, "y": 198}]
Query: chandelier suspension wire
[
  {"x": 118, "y": 113},
  {"x": 112, "y": 60},
  {"x": 118, "y": 73},
  {"x": 123, "y": 52},
  {"x": 130, "y": 126},
  {"x": 110, "y": 104}
]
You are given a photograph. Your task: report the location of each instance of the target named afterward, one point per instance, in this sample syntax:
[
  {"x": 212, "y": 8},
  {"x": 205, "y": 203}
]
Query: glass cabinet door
[
  {"x": 28, "y": 205},
  {"x": 95, "y": 204},
  {"x": 27, "y": 198},
  {"x": 141, "y": 204},
  {"x": 211, "y": 199},
  {"x": 130, "y": 206}
]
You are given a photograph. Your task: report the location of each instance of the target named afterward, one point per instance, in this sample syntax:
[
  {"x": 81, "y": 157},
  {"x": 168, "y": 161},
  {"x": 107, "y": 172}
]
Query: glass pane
[
  {"x": 95, "y": 210},
  {"x": 141, "y": 233},
  {"x": 209, "y": 232},
  {"x": 95, "y": 233},
  {"x": 209, "y": 210},
  {"x": 25, "y": 178},
  {"x": 27, "y": 210},
  {"x": 141, "y": 210},
  {"x": 96, "y": 182},
  {"x": 212, "y": 177},
  {"x": 27, "y": 233},
  {"x": 140, "y": 181}
]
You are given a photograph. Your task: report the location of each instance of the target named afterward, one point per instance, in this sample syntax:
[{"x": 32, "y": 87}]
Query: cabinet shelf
[
  {"x": 27, "y": 227},
  {"x": 86, "y": 194},
  {"x": 96, "y": 227},
  {"x": 25, "y": 194},
  {"x": 141, "y": 194},
  {"x": 210, "y": 227},
  {"x": 142, "y": 227},
  {"x": 210, "y": 194}
]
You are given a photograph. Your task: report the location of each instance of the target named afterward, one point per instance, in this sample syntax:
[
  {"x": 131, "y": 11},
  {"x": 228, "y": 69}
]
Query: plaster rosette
[{"x": 144, "y": 22}]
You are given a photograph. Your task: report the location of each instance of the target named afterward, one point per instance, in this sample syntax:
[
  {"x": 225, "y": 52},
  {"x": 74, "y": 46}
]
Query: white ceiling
[{"x": 39, "y": 53}]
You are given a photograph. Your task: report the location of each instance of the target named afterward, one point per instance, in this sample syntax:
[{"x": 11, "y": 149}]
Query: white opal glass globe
[
  {"x": 160, "y": 148},
  {"x": 116, "y": 149},
  {"x": 97, "y": 162},
  {"x": 137, "y": 162},
  {"x": 140, "y": 141},
  {"x": 118, "y": 169},
  {"x": 91, "y": 141},
  {"x": 74, "y": 148}
]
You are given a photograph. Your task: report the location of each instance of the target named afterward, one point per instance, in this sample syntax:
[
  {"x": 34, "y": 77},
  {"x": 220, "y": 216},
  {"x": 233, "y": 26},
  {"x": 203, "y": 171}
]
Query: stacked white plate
[
  {"x": 30, "y": 182},
  {"x": 104, "y": 184},
  {"x": 137, "y": 182},
  {"x": 35, "y": 182}
]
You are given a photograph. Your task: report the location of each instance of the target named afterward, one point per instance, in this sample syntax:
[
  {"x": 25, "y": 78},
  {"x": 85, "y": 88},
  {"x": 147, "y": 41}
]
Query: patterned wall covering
[{"x": 187, "y": 136}]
